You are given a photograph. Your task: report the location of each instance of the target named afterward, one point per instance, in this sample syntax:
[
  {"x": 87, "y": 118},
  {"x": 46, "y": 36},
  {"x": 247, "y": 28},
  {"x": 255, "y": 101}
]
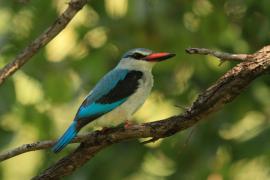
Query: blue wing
[{"x": 109, "y": 93}]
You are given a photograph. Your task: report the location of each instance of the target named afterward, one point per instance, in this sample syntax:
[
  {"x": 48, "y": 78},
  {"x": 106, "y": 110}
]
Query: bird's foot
[{"x": 128, "y": 124}]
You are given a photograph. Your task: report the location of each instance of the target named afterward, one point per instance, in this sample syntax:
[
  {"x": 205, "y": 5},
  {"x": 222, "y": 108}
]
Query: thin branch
[
  {"x": 221, "y": 55},
  {"x": 60, "y": 23},
  {"x": 25, "y": 148},
  {"x": 226, "y": 89},
  {"x": 35, "y": 146}
]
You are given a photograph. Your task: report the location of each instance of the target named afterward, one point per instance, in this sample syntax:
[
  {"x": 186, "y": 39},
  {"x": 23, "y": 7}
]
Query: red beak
[{"x": 157, "y": 57}]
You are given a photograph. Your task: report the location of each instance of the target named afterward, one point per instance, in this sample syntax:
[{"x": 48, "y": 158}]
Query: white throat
[{"x": 135, "y": 65}]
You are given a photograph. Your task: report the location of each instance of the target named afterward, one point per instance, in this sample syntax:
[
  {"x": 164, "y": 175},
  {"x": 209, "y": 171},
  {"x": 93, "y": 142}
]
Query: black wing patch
[
  {"x": 123, "y": 89},
  {"x": 83, "y": 121}
]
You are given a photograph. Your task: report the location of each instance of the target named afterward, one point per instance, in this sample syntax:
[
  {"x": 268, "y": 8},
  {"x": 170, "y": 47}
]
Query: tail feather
[{"x": 66, "y": 138}]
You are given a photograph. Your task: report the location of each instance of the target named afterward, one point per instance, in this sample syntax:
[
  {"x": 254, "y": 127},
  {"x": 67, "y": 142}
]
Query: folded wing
[{"x": 112, "y": 91}]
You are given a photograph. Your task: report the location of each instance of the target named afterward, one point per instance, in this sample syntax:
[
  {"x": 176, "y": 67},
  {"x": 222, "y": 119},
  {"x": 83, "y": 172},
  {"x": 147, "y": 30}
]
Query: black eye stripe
[{"x": 137, "y": 56}]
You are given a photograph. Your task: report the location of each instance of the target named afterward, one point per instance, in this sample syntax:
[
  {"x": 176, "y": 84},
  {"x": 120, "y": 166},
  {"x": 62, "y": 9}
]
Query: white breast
[
  {"x": 131, "y": 105},
  {"x": 136, "y": 100}
]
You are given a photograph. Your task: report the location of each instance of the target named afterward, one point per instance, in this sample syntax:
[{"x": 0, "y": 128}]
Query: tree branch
[
  {"x": 60, "y": 23},
  {"x": 35, "y": 146},
  {"x": 226, "y": 89},
  {"x": 221, "y": 55}
]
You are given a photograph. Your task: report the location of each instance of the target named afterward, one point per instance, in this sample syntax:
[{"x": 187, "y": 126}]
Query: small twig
[
  {"x": 189, "y": 136},
  {"x": 185, "y": 108},
  {"x": 187, "y": 140},
  {"x": 25, "y": 148},
  {"x": 221, "y": 55},
  {"x": 60, "y": 23}
]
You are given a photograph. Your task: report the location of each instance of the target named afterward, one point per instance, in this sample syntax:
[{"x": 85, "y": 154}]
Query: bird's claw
[{"x": 127, "y": 124}]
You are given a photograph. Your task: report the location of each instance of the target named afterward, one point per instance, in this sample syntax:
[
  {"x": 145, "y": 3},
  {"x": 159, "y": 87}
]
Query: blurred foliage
[{"x": 40, "y": 100}]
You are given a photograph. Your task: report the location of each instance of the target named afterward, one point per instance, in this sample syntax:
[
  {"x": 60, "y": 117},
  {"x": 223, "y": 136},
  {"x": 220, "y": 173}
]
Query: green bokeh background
[{"x": 40, "y": 100}]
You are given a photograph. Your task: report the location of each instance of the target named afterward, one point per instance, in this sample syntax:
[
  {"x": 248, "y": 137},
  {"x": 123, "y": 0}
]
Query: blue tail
[{"x": 66, "y": 138}]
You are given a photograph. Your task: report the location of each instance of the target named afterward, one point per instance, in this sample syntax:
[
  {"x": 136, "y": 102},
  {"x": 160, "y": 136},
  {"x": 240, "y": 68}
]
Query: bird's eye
[{"x": 137, "y": 56}]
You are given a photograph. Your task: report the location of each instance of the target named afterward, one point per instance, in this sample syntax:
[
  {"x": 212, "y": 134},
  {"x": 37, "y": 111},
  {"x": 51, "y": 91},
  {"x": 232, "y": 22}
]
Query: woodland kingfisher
[{"x": 118, "y": 95}]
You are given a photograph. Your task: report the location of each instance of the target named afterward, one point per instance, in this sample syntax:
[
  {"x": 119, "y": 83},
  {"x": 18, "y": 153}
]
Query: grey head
[
  {"x": 146, "y": 55},
  {"x": 137, "y": 53}
]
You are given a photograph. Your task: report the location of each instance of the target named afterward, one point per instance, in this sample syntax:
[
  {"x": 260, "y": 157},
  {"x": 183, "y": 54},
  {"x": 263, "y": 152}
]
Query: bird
[{"x": 118, "y": 95}]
